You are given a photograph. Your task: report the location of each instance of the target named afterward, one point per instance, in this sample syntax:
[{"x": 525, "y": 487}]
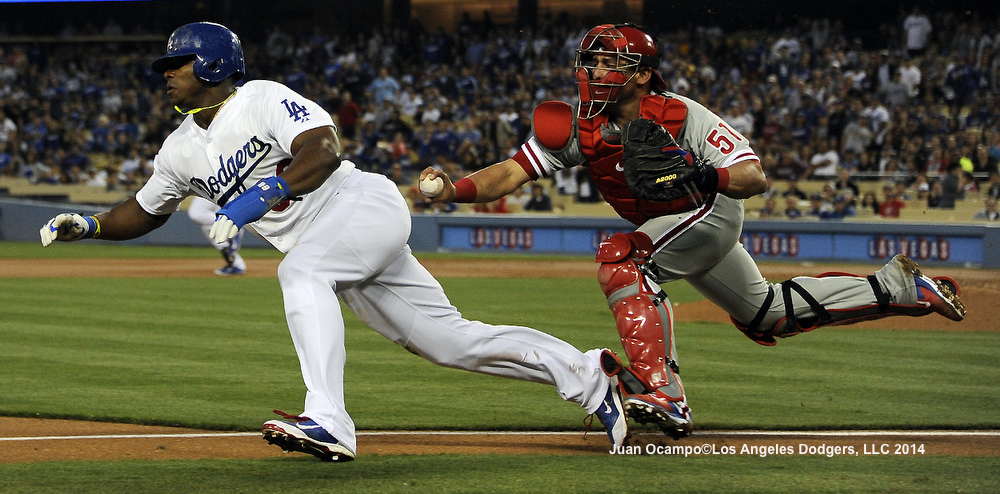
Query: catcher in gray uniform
[{"x": 680, "y": 174}]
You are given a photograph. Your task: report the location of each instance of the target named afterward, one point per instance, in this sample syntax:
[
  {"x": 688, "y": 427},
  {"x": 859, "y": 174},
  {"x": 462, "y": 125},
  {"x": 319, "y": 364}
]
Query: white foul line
[{"x": 854, "y": 433}]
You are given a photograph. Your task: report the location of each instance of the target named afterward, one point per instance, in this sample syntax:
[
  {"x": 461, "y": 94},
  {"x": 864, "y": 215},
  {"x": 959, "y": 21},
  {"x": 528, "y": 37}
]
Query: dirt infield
[
  {"x": 28, "y": 440},
  {"x": 31, "y": 440}
]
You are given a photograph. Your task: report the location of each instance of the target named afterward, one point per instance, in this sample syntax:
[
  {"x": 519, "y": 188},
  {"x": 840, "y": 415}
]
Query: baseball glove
[{"x": 657, "y": 169}]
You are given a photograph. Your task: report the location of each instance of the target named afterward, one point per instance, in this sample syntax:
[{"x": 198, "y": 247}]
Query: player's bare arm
[
  {"x": 317, "y": 155},
  {"x": 128, "y": 220},
  {"x": 125, "y": 221},
  {"x": 746, "y": 179},
  {"x": 491, "y": 183}
]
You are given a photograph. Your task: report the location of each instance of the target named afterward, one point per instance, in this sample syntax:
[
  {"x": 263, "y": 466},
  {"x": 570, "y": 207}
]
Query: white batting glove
[
  {"x": 66, "y": 227},
  {"x": 223, "y": 229}
]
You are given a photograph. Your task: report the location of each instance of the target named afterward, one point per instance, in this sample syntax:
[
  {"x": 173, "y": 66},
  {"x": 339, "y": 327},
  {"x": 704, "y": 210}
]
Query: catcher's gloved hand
[
  {"x": 68, "y": 227},
  {"x": 656, "y": 169}
]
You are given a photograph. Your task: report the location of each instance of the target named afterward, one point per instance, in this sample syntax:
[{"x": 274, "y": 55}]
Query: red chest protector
[{"x": 605, "y": 160}]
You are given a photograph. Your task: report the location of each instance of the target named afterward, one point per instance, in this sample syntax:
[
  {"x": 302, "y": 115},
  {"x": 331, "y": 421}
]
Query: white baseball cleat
[
  {"x": 304, "y": 435},
  {"x": 612, "y": 415}
]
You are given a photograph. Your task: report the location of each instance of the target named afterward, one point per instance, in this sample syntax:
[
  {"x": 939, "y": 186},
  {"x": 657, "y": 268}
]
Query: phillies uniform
[
  {"x": 699, "y": 243},
  {"x": 347, "y": 240}
]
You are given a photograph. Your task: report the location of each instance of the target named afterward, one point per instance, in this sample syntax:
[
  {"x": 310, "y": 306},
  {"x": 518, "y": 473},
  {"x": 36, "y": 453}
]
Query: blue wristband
[
  {"x": 253, "y": 204},
  {"x": 93, "y": 227}
]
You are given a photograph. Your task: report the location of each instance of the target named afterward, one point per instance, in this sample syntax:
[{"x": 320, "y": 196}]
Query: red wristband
[
  {"x": 723, "y": 179},
  {"x": 465, "y": 190}
]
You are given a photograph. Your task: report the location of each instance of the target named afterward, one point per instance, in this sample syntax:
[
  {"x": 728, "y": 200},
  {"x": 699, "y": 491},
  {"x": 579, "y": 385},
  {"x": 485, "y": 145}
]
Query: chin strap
[{"x": 196, "y": 110}]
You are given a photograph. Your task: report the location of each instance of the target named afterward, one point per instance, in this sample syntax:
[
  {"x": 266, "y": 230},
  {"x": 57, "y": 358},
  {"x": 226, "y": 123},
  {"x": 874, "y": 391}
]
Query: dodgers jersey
[{"x": 249, "y": 139}]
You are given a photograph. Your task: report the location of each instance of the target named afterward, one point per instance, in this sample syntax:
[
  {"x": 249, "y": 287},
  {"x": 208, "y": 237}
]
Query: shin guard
[
  {"x": 928, "y": 295},
  {"x": 641, "y": 309}
]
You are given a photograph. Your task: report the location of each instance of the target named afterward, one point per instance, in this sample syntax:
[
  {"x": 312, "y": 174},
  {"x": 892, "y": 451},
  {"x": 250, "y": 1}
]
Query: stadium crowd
[{"x": 914, "y": 108}]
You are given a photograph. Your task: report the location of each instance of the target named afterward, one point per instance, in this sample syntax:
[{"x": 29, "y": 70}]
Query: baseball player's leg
[
  {"x": 764, "y": 311},
  {"x": 317, "y": 329},
  {"x": 652, "y": 388},
  {"x": 407, "y": 305},
  {"x": 355, "y": 236}
]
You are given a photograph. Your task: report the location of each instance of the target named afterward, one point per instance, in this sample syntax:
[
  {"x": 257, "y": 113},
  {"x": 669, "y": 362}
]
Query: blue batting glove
[{"x": 248, "y": 207}]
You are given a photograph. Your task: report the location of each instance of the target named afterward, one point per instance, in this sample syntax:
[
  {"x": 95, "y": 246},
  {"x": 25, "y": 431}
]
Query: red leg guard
[{"x": 641, "y": 310}]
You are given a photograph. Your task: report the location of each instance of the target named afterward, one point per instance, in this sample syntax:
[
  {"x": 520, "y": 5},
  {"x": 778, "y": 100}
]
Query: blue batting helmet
[{"x": 216, "y": 50}]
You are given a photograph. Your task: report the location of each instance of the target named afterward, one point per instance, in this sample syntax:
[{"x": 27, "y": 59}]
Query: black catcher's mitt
[{"x": 656, "y": 169}]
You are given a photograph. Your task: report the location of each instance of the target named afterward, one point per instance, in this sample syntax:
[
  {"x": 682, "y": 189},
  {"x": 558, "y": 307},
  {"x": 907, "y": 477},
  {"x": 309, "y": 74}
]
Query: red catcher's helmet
[{"x": 631, "y": 48}]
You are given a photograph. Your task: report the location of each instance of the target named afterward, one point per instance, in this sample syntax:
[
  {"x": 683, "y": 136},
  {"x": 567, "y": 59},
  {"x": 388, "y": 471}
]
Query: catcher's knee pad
[{"x": 641, "y": 310}]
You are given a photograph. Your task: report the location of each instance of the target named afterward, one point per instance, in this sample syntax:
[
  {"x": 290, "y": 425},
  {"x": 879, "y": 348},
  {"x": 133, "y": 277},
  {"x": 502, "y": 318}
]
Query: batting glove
[
  {"x": 69, "y": 227},
  {"x": 248, "y": 207}
]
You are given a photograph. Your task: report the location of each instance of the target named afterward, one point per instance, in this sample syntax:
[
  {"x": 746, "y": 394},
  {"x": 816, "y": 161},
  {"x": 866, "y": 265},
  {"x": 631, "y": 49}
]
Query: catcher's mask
[
  {"x": 629, "y": 48},
  {"x": 216, "y": 51}
]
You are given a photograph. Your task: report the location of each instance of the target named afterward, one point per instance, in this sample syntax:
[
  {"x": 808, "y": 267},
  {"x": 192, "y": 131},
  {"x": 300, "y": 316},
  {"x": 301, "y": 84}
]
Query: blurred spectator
[
  {"x": 936, "y": 164},
  {"x": 990, "y": 212},
  {"x": 902, "y": 192},
  {"x": 794, "y": 191},
  {"x": 73, "y": 164},
  {"x": 384, "y": 88},
  {"x": 816, "y": 206},
  {"x": 993, "y": 188},
  {"x": 934, "y": 195},
  {"x": 846, "y": 183},
  {"x": 792, "y": 210},
  {"x": 951, "y": 188},
  {"x": 738, "y": 117},
  {"x": 398, "y": 175},
  {"x": 909, "y": 76},
  {"x": 841, "y": 209},
  {"x": 982, "y": 161},
  {"x": 917, "y": 30},
  {"x": 516, "y": 200},
  {"x": 869, "y": 203},
  {"x": 891, "y": 205},
  {"x": 968, "y": 185},
  {"x": 895, "y": 92},
  {"x": 878, "y": 120},
  {"x": 540, "y": 200},
  {"x": 857, "y": 136},
  {"x": 851, "y": 162},
  {"x": 768, "y": 209},
  {"x": 348, "y": 114},
  {"x": 825, "y": 162}
]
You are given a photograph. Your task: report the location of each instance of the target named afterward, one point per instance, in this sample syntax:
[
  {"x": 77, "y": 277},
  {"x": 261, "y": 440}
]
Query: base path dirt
[
  {"x": 29, "y": 439},
  {"x": 25, "y": 440}
]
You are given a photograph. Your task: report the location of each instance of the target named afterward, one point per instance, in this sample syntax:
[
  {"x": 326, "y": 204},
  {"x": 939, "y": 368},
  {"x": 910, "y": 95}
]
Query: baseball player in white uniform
[
  {"x": 272, "y": 159},
  {"x": 202, "y": 213},
  {"x": 694, "y": 237}
]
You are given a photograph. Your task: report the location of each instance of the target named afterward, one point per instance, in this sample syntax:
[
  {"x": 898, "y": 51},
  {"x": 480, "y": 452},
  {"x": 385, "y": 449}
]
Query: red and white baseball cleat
[
  {"x": 939, "y": 294},
  {"x": 646, "y": 406}
]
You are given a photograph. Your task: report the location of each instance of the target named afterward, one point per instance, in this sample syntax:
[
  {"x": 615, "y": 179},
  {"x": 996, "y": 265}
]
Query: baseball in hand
[{"x": 431, "y": 186}]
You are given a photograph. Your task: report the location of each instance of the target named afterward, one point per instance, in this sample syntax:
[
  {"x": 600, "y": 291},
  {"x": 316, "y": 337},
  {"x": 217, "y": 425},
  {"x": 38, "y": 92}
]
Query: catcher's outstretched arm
[
  {"x": 746, "y": 179},
  {"x": 489, "y": 184}
]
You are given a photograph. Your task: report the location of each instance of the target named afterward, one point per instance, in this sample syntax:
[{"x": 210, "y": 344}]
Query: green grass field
[{"x": 215, "y": 353}]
